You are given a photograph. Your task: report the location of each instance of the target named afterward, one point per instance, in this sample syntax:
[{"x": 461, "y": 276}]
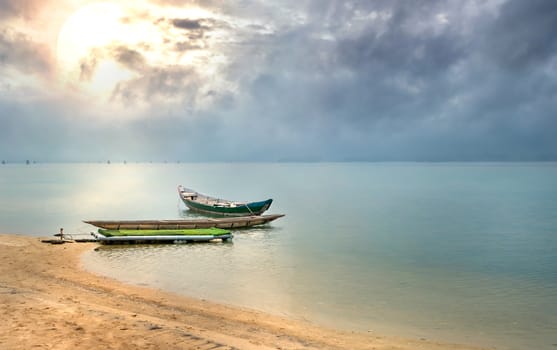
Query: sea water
[{"x": 458, "y": 252}]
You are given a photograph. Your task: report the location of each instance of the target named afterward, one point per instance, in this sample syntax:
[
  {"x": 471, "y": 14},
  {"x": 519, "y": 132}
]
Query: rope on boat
[{"x": 247, "y": 206}]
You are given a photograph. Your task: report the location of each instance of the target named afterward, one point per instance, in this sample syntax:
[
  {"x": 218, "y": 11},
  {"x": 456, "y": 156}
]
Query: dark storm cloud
[
  {"x": 88, "y": 65},
  {"x": 400, "y": 50},
  {"x": 523, "y": 34},
  {"x": 87, "y": 68},
  {"x": 186, "y": 46},
  {"x": 335, "y": 81},
  {"x": 193, "y": 32},
  {"x": 324, "y": 80},
  {"x": 159, "y": 83},
  {"x": 19, "y": 51},
  {"x": 399, "y": 56},
  {"x": 185, "y": 23},
  {"x": 16, "y": 8},
  {"x": 411, "y": 80},
  {"x": 129, "y": 58},
  {"x": 8, "y": 8}
]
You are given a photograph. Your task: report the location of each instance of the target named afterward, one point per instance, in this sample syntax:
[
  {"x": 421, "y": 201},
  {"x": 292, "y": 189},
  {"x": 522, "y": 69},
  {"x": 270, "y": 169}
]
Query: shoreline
[{"x": 50, "y": 301}]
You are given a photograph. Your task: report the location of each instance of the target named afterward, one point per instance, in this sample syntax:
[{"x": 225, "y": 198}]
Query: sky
[{"x": 282, "y": 80}]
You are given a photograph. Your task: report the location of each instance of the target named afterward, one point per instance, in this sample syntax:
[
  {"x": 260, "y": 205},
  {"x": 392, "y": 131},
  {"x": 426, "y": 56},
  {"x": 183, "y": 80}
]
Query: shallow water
[{"x": 455, "y": 252}]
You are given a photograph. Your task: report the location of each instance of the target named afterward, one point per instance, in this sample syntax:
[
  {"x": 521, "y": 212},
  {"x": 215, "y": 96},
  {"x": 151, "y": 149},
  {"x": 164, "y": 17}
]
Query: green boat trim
[{"x": 213, "y": 231}]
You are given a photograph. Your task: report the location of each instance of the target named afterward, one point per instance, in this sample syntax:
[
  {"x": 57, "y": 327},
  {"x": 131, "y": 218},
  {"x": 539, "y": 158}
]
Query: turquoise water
[{"x": 457, "y": 252}]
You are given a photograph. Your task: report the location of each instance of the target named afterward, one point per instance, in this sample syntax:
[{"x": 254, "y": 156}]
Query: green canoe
[
  {"x": 162, "y": 236},
  {"x": 210, "y": 205}
]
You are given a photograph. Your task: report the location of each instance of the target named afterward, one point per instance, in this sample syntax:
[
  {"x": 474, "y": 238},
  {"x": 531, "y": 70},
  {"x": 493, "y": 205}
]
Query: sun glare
[
  {"x": 105, "y": 43},
  {"x": 93, "y": 27}
]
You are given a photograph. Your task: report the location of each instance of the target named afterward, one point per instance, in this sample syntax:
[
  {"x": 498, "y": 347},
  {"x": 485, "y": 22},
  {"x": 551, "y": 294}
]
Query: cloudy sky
[{"x": 281, "y": 80}]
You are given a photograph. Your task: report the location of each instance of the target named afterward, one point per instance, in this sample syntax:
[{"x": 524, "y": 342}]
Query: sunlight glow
[
  {"x": 106, "y": 45},
  {"x": 91, "y": 26},
  {"x": 82, "y": 39}
]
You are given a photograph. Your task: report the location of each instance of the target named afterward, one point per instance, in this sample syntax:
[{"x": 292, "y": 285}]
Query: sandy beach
[{"x": 48, "y": 301}]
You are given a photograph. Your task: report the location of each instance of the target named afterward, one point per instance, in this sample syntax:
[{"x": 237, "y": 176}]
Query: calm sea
[{"x": 455, "y": 252}]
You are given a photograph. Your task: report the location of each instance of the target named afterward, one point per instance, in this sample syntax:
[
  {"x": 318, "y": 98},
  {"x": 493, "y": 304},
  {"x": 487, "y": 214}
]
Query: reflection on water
[
  {"x": 223, "y": 272},
  {"x": 460, "y": 252},
  {"x": 255, "y": 272}
]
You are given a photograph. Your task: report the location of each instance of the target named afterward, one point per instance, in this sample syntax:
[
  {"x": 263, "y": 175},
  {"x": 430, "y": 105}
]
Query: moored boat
[
  {"x": 225, "y": 223},
  {"x": 211, "y": 205},
  {"x": 161, "y": 236}
]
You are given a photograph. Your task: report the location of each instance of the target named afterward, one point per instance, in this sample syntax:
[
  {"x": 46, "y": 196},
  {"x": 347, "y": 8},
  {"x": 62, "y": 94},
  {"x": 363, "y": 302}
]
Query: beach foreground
[{"x": 48, "y": 301}]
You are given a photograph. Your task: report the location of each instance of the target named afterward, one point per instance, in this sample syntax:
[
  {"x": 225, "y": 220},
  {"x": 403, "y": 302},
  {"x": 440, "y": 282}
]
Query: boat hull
[
  {"x": 162, "y": 236},
  {"x": 213, "y": 231},
  {"x": 253, "y": 208},
  {"x": 201, "y": 203},
  {"x": 226, "y": 223},
  {"x": 159, "y": 239}
]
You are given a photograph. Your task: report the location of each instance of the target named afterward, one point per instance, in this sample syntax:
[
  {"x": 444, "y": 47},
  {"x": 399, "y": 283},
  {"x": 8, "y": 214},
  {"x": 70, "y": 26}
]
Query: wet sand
[{"x": 47, "y": 301}]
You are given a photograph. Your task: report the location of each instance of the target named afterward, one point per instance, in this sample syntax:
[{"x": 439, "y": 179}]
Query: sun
[
  {"x": 95, "y": 44},
  {"x": 84, "y": 37}
]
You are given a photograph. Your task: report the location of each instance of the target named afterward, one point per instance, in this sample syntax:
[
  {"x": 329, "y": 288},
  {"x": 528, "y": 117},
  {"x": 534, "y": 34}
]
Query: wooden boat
[
  {"x": 210, "y": 205},
  {"x": 162, "y": 236},
  {"x": 226, "y": 222}
]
